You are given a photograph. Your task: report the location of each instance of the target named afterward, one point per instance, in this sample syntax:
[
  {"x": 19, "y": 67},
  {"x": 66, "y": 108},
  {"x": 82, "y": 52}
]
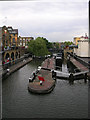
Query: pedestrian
[
  {"x": 41, "y": 79},
  {"x": 3, "y": 62},
  {"x": 40, "y": 82},
  {"x": 8, "y": 60}
]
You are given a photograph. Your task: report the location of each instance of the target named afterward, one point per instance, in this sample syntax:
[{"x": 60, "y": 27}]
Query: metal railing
[{"x": 13, "y": 62}]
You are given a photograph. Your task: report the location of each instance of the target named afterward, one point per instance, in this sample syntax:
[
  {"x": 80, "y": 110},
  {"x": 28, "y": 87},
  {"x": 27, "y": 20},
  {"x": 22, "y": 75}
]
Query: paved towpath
[
  {"x": 17, "y": 66},
  {"x": 49, "y": 63},
  {"x": 80, "y": 66}
]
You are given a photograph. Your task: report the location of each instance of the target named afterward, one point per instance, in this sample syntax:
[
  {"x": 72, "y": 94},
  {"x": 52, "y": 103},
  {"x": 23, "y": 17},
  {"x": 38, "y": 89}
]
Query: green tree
[
  {"x": 48, "y": 44},
  {"x": 57, "y": 45},
  {"x": 38, "y": 47},
  {"x": 68, "y": 43}
]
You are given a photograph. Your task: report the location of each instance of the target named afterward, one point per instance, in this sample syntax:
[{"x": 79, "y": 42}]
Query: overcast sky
[{"x": 57, "y": 20}]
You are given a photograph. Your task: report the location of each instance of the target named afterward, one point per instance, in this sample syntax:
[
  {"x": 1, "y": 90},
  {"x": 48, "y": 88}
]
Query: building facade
[
  {"x": 13, "y": 36},
  {"x": 23, "y": 41},
  {"x": 76, "y": 39},
  {"x": 83, "y": 47},
  {"x": 9, "y": 44},
  {"x": 5, "y": 38}
]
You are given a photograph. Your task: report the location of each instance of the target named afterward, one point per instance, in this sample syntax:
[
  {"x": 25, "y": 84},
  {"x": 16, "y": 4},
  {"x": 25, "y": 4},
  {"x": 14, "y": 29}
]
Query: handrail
[{"x": 10, "y": 63}]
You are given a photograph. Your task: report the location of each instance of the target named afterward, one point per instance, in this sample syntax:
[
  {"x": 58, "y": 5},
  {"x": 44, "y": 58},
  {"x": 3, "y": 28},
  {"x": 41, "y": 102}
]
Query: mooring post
[
  {"x": 53, "y": 74},
  {"x": 34, "y": 75},
  {"x": 71, "y": 78},
  {"x": 89, "y": 66},
  {"x": 85, "y": 77}
]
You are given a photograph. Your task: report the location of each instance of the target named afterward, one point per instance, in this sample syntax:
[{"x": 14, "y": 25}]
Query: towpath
[
  {"x": 49, "y": 63},
  {"x": 17, "y": 66},
  {"x": 80, "y": 66}
]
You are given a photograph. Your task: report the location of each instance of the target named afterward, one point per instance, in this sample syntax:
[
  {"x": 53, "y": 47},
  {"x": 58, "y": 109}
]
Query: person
[
  {"x": 40, "y": 82},
  {"x": 41, "y": 79},
  {"x": 3, "y": 62},
  {"x": 8, "y": 60}
]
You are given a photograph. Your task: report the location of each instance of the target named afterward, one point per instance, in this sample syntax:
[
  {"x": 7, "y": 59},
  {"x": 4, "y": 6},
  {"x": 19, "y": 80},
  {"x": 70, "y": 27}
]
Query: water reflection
[{"x": 65, "y": 101}]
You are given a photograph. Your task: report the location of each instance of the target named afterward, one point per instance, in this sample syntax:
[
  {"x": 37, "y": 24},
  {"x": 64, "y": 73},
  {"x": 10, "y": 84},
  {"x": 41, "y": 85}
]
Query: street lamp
[{"x": 5, "y": 31}]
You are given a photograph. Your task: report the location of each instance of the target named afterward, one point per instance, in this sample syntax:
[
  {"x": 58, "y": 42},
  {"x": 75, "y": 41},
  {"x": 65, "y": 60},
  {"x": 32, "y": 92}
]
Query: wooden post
[
  {"x": 71, "y": 78},
  {"x": 89, "y": 66},
  {"x": 85, "y": 78},
  {"x": 53, "y": 74}
]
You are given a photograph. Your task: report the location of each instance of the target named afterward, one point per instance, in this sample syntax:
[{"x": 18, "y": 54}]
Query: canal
[{"x": 65, "y": 101}]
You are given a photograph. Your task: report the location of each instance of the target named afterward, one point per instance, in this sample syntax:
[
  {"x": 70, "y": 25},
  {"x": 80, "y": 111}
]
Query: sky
[{"x": 56, "y": 20}]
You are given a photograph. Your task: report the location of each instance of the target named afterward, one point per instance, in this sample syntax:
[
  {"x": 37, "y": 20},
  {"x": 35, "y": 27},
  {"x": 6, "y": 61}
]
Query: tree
[
  {"x": 38, "y": 47},
  {"x": 48, "y": 44},
  {"x": 57, "y": 45},
  {"x": 68, "y": 43}
]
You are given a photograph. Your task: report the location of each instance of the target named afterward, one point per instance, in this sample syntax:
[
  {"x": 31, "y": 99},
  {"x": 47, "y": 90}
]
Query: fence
[{"x": 10, "y": 63}]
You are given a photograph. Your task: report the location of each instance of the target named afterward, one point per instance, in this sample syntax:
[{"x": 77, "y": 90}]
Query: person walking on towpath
[
  {"x": 8, "y": 60},
  {"x": 41, "y": 79}
]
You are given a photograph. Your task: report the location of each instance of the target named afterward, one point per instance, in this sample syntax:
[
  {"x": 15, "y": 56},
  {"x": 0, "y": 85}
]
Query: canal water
[{"x": 65, "y": 101}]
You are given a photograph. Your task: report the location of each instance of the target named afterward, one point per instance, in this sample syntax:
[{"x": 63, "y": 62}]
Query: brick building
[
  {"x": 9, "y": 44},
  {"x": 82, "y": 49},
  {"x": 23, "y": 41}
]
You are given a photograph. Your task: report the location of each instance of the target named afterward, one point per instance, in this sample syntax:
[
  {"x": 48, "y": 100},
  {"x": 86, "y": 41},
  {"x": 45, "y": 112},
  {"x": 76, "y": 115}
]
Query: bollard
[
  {"x": 34, "y": 75},
  {"x": 71, "y": 78},
  {"x": 89, "y": 66},
  {"x": 85, "y": 77},
  {"x": 53, "y": 74}
]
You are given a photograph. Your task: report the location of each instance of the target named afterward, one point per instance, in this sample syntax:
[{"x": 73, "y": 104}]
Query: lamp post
[{"x": 5, "y": 31}]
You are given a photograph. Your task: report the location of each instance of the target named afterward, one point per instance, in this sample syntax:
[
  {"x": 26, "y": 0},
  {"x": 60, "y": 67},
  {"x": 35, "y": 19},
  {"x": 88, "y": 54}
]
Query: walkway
[
  {"x": 80, "y": 66},
  {"x": 49, "y": 63},
  {"x": 86, "y": 59},
  {"x": 17, "y": 66}
]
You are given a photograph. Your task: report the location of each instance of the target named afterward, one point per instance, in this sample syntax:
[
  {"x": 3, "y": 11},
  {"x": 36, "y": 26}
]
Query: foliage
[
  {"x": 38, "y": 47},
  {"x": 48, "y": 44},
  {"x": 57, "y": 45},
  {"x": 68, "y": 43}
]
